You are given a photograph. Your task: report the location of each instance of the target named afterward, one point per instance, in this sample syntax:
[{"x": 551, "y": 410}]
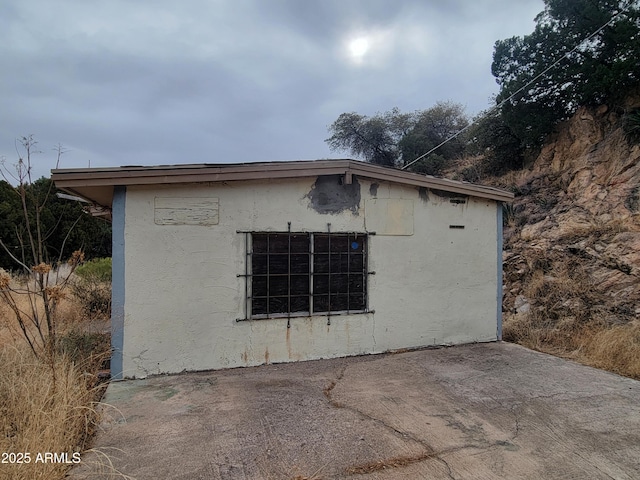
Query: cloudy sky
[{"x": 124, "y": 82}]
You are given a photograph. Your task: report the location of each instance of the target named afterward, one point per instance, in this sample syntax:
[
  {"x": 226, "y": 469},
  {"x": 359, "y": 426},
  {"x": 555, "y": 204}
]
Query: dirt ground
[{"x": 483, "y": 411}]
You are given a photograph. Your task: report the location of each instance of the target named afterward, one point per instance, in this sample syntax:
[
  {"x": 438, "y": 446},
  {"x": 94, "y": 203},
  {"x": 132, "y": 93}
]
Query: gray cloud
[{"x": 124, "y": 82}]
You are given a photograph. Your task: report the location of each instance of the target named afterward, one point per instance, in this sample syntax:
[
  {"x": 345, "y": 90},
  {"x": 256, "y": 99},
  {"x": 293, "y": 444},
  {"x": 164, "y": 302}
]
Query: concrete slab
[{"x": 483, "y": 411}]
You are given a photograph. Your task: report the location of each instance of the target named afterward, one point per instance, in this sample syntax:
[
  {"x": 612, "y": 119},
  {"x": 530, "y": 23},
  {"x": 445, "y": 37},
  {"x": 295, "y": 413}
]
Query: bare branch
[
  {"x": 41, "y": 293},
  {"x": 13, "y": 257},
  {"x": 66, "y": 237},
  {"x": 59, "y": 151}
]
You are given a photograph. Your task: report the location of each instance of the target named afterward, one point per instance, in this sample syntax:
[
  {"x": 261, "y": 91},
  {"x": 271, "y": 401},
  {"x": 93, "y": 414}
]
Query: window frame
[{"x": 319, "y": 266}]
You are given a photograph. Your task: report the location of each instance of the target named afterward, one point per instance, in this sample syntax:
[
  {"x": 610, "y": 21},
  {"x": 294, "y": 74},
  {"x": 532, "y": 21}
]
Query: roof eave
[{"x": 102, "y": 180}]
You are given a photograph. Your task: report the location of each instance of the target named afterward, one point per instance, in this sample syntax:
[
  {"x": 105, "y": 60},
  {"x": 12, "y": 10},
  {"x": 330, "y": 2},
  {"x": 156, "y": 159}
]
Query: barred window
[{"x": 305, "y": 273}]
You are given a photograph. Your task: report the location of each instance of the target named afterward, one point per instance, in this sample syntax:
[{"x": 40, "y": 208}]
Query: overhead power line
[{"x": 528, "y": 84}]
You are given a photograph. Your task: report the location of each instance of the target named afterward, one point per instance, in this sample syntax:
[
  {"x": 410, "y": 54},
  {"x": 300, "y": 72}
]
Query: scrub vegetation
[
  {"x": 92, "y": 286},
  {"x": 53, "y": 342},
  {"x": 568, "y": 316},
  {"x": 48, "y": 402}
]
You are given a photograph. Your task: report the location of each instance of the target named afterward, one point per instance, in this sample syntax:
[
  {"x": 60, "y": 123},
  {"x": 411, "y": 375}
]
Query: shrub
[
  {"x": 431, "y": 165},
  {"x": 631, "y": 126},
  {"x": 85, "y": 348},
  {"x": 92, "y": 286},
  {"x": 98, "y": 269},
  {"x": 472, "y": 173}
]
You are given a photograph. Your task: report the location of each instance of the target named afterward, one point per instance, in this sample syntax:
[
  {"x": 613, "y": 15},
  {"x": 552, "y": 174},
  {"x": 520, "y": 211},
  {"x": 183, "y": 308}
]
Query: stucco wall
[{"x": 433, "y": 284}]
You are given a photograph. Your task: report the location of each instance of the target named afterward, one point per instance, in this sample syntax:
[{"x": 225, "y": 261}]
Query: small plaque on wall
[{"x": 186, "y": 211}]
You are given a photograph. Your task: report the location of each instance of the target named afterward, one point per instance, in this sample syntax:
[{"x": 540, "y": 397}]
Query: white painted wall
[{"x": 183, "y": 296}]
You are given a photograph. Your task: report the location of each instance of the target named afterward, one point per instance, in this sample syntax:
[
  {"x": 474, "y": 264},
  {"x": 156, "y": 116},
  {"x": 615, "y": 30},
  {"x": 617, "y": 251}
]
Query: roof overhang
[{"x": 97, "y": 184}]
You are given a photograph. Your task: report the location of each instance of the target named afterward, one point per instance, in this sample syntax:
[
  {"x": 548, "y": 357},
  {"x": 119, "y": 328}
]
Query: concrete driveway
[{"x": 479, "y": 411}]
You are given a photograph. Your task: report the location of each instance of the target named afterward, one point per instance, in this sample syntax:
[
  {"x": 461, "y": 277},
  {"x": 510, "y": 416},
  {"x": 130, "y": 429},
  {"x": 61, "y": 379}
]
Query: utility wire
[{"x": 529, "y": 83}]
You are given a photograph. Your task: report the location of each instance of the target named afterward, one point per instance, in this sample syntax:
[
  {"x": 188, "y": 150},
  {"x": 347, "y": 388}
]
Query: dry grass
[
  {"x": 41, "y": 415},
  {"x": 69, "y": 317},
  {"x": 573, "y": 231},
  {"x": 48, "y": 405},
  {"x": 395, "y": 462},
  {"x": 613, "y": 348},
  {"x": 616, "y": 349},
  {"x": 571, "y": 313}
]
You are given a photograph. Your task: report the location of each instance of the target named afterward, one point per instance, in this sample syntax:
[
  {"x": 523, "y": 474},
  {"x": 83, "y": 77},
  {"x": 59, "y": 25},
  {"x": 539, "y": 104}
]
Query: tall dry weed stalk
[
  {"x": 38, "y": 415},
  {"x": 42, "y": 283},
  {"x": 34, "y": 301},
  {"x": 38, "y": 419},
  {"x": 49, "y": 387}
]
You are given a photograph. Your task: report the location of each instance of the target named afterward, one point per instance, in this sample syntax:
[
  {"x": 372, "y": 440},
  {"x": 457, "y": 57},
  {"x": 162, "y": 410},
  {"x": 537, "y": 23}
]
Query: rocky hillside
[
  {"x": 572, "y": 245},
  {"x": 579, "y": 208}
]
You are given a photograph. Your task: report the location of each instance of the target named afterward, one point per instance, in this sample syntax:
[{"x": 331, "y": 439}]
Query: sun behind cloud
[
  {"x": 370, "y": 48},
  {"x": 358, "y": 48}
]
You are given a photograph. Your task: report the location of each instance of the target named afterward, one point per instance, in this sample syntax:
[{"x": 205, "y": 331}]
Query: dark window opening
[{"x": 306, "y": 273}]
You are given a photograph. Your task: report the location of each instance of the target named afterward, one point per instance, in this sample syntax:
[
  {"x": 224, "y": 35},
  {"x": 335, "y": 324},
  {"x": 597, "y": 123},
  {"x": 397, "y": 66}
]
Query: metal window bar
[
  {"x": 311, "y": 271},
  {"x": 349, "y": 271},
  {"x": 247, "y": 299},
  {"x": 329, "y": 279},
  {"x": 366, "y": 273},
  {"x": 289, "y": 275},
  {"x": 268, "y": 274},
  {"x": 311, "y": 250}
]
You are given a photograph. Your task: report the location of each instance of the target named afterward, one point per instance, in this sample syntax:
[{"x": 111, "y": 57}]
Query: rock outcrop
[{"x": 572, "y": 235}]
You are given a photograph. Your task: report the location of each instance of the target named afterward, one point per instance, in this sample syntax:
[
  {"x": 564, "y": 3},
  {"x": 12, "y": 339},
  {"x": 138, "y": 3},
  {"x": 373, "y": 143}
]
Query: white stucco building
[{"x": 218, "y": 266}]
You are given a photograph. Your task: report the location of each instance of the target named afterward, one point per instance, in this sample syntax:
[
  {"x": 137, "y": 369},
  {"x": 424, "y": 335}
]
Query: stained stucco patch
[
  {"x": 330, "y": 195},
  {"x": 446, "y": 194},
  {"x": 423, "y": 193}
]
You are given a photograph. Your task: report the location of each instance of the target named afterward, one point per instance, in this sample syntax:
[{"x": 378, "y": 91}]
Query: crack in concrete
[
  {"x": 513, "y": 410},
  {"x": 446, "y": 464},
  {"x": 403, "y": 461},
  {"x": 328, "y": 392},
  {"x": 329, "y": 388},
  {"x": 430, "y": 452},
  {"x": 516, "y": 418}
]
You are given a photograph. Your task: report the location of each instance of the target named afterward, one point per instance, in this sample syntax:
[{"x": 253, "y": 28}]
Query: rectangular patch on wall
[
  {"x": 389, "y": 216},
  {"x": 186, "y": 211}
]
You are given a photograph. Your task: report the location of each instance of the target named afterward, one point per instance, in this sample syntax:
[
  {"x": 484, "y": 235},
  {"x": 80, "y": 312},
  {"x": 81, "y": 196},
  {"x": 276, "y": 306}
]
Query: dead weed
[
  {"x": 615, "y": 348},
  {"x": 395, "y": 462}
]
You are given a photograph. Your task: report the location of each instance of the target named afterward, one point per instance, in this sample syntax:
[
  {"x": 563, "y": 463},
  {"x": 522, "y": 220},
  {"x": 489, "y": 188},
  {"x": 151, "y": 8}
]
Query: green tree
[
  {"x": 10, "y": 222},
  {"x": 395, "y": 138},
  {"x": 64, "y": 226},
  {"x": 594, "y": 48},
  {"x": 494, "y": 140},
  {"x": 431, "y": 128},
  {"x": 373, "y": 138}
]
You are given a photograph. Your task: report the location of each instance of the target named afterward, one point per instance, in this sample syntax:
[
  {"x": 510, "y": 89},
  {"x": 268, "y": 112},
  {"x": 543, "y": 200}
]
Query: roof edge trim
[{"x": 87, "y": 179}]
